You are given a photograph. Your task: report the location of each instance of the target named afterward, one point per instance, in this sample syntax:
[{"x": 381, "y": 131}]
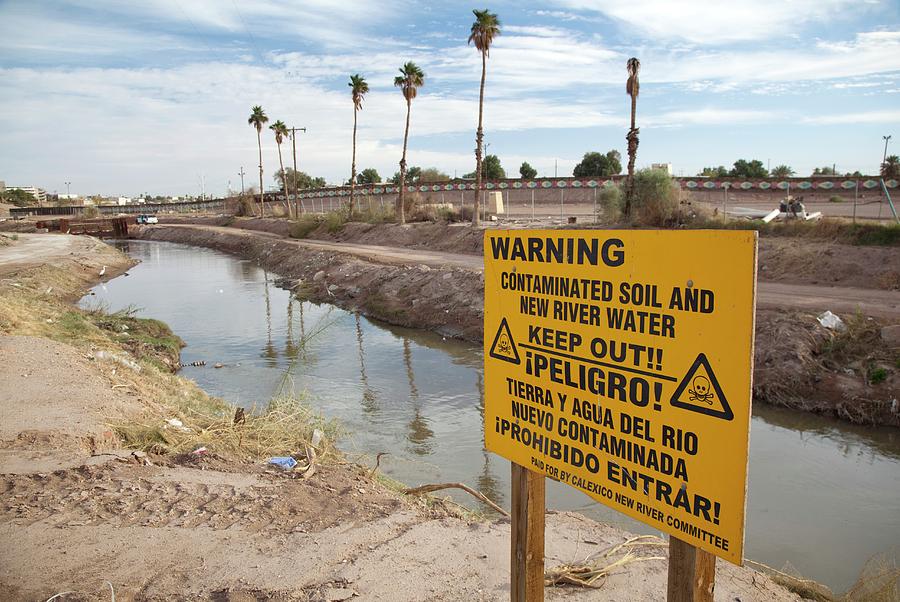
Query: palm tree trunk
[
  {"x": 287, "y": 206},
  {"x": 352, "y": 167},
  {"x": 262, "y": 205},
  {"x": 479, "y": 138},
  {"x": 632, "y": 139},
  {"x": 401, "y": 208}
]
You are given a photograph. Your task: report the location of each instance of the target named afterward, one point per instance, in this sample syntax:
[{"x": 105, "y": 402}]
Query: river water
[{"x": 823, "y": 495}]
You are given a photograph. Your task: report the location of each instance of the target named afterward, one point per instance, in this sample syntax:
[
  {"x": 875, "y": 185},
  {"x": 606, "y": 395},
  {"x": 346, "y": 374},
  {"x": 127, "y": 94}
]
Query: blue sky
[{"x": 129, "y": 97}]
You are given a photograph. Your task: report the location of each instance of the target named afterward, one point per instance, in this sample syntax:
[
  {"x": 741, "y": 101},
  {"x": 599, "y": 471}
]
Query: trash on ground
[
  {"x": 284, "y": 462},
  {"x": 107, "y": 356},
  {"x": 831, "y": 321}
]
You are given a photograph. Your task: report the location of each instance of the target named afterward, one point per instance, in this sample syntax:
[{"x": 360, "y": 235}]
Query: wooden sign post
[
  {"x": 527, "y": 549},
  {"x": 692, "y": 573},
  {"x": 620, "y": 363}
]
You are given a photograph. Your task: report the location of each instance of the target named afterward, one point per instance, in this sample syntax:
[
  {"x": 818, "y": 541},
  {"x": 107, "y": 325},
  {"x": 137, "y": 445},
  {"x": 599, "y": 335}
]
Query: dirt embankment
[
  {"x": 794, "y": 260},
  {"x": 446, "y": 300},
  {"x": 851, "y": 374},
  {"x": 81, "y": 518}
]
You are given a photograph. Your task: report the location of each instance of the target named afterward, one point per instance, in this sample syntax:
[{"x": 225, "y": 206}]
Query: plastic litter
[
  {"x": 199, "y": 451},
  {"x": 107, "y": 356},
  {"x": 831, "y": 321},
  {"x": 317, "y": 437},
  {"x": 177, "y": 425},
  {"x": 285, "y": 462}
]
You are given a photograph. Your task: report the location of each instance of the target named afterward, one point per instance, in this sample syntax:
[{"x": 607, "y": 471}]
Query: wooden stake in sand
[{"x": 526, "y": 582}]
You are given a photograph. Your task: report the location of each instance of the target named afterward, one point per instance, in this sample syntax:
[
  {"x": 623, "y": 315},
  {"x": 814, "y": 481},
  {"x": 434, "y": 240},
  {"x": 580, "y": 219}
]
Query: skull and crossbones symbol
[
  {"x": 504, "y": 346},
  {"x": 701, "y": 391}
]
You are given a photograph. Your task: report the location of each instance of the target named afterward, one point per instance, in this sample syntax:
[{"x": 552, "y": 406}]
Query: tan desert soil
[
  {"x": 87, "y": 518},
  {"x": 444, "y": 292},
  {"x": 781, "y": 259}
]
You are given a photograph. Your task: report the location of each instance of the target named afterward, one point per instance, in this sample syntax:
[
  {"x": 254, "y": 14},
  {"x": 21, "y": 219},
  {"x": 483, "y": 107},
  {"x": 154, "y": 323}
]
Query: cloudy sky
[{"x": 128, "y": 97}]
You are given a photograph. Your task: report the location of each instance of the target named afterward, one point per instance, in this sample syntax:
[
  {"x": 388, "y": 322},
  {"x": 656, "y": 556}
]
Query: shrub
[
  {"x": 655, "y": 198},
  {"x": 334, "y": 221},
  {"x": 610, "y": 201},
  {"x": 836, "y": 199},
  {"x": 246, "y": 207},
  {"x": 302, "y": 227},
  {"x": 90, "y": 212}
]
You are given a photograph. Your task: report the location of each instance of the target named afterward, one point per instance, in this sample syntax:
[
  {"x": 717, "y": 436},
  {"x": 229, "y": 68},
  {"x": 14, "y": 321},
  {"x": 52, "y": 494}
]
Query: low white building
[
  {"x": 666, "y": 167},
  {"x": 38, "y": 193},
  {"x": 123, "y": 200}
]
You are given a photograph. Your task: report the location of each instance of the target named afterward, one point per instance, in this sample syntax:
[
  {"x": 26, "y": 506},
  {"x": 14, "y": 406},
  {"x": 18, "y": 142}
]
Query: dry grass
[
  {"x": 284, "y": 427},
  {"x": 593, "y": 570},
  {"x": 35, "y": 304},
  {"x": 879, "y": 581}
]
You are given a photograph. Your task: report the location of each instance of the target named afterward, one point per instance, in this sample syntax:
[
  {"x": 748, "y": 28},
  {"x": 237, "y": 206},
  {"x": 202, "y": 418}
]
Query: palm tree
[
  {"x": 281, "y": 132},
  {"x": 257, "y": 119},
  {"x": 632, "y": 88},
  {"x": 890, "y": 169},
  {"x": 485, "y": 28},
  {"x": 411, "y": 79},
  {"x": 358, "y": 90}
]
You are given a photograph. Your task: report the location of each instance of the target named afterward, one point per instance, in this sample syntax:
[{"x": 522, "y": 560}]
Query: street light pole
[
  {"x": 241, "y": 173},
  {"x": 294, "y": 178},
  {"x": 68, "y": 191},
  {"x": 884, "y": 156}
]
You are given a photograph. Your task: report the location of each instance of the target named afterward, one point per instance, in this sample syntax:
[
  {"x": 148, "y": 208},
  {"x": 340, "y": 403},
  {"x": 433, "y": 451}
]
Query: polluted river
[{"x": 824, "y": 495}]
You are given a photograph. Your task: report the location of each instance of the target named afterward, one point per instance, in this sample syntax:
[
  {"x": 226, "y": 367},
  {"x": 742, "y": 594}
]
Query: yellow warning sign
[{"x": 619, "y": 363}]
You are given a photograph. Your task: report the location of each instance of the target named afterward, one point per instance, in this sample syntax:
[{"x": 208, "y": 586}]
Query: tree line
[
  {"x": 484, "y": 30},
  {"x": 742, "y": 168}
]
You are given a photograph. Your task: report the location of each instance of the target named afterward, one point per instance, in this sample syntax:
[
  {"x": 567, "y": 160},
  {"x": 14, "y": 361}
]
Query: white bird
[{"x": 103, "y": 271}]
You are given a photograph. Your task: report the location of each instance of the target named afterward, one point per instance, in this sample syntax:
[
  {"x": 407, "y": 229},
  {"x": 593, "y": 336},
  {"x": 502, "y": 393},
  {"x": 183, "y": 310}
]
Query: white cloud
[
  {"x": 710, "y": 116},
  {"x": 713, "y": 21},
  {"x": 858, "y": 117}
]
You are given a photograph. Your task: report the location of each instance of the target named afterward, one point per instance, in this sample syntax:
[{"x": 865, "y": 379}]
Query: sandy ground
[{"x": 79, "y": 515}]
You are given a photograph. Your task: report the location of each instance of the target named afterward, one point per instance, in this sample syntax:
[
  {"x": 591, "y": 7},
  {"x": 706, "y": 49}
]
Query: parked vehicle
[{"x": 147, "y": 219}]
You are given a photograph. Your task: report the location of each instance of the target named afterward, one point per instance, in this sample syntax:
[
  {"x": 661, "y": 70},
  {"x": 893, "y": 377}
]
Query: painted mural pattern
[{"x": 694, "y": 184}]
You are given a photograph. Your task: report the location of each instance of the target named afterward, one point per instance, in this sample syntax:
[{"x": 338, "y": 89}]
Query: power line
[{"x": 249, "y": 34}]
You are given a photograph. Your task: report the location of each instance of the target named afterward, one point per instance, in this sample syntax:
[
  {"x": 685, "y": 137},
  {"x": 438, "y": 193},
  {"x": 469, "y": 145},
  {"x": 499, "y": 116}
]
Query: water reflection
[
  {"x": 822, "y": 494},
  {"x": 269, "y": 351},
  {"x": 369, "y": 400}
]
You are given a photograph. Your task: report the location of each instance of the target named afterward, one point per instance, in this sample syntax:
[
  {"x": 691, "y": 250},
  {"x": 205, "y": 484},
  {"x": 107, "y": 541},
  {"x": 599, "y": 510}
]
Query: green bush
[
  {"x": 836, "y": 199},
  {"x": 334, "y": 221},
  {"x": 655, "y": 198},
  {"x": 302, "y": 227},
  {"x": 610, "y": 201},
  {"x": 877, "y": 375}
]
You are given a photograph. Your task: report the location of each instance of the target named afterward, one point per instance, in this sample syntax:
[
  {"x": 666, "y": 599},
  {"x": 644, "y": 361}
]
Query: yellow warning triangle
[
  {"x": 699, "y": 391},
  {"x": 504, "y": 347}
]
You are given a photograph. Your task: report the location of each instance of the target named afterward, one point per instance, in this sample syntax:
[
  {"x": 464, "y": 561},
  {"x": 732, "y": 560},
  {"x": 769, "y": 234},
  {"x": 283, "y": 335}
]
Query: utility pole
[
  {"x": 68, "y": 191},
  {"x": 294, "y": 177},
  {"x": 241, "y": 173},
  {"x": 556, "y": 168}
]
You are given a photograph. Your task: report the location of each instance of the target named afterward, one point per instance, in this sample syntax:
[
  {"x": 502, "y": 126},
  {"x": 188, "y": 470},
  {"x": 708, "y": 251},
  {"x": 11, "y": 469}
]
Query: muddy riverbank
[{"x": 850, "y": 374}]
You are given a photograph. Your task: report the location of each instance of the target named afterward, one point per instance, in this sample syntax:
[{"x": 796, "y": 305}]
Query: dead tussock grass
[
  {"x": 285, "y": 426},
  {"x": 593, "y": 570}
]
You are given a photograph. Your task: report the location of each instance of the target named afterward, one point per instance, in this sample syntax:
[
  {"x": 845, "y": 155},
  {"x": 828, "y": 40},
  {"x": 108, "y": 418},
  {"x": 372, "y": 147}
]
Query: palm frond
[
  {"x": 257, "y": 117},
  {"x": 409, "y": 81},
  {"x": 633, "y": 85},
  {"x": 358, "y": 90},
  {"x": 485, "y": 28},
  {"x": 281, "y": 131}
]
